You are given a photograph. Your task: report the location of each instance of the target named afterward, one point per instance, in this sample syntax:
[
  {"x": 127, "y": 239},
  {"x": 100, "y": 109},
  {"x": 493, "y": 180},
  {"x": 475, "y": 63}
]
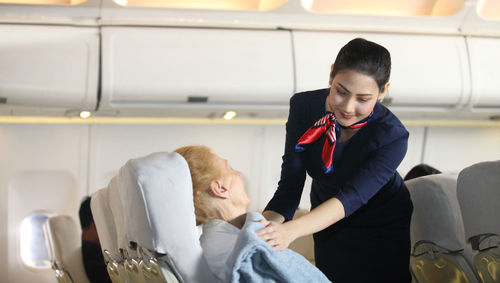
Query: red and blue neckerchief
[{"x": 328, "y": 124}]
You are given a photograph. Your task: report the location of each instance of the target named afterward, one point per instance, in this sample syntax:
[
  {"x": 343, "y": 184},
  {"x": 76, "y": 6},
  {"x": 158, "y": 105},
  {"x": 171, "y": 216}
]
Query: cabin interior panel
[
  {"x": 112, "y": 145},
  {"x": 451, "y": 149},
  {"x": 128, "y": 61},
  {"x": 85, "y": 157},
  {"x": 43, "y": 169}
]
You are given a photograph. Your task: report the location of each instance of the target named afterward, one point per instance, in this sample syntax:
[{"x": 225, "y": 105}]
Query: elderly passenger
[
  {"x": 229, "y": 240},
  {"x": 220, "y": 202}
]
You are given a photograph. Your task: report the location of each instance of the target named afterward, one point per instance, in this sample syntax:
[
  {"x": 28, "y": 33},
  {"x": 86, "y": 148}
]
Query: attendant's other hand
[{"x": 277, "y": 235}]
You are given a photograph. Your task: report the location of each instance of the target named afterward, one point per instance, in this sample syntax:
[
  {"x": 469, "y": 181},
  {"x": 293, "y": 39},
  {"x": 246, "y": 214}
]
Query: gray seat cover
[
  {"x": 436, "y": 214},
  {"x": 479, "y": 197}
]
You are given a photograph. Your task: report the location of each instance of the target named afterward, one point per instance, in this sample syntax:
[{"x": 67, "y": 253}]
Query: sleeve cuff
[
  {"x": 348, "y": 201},
  {"x": 288, "y": 214}
]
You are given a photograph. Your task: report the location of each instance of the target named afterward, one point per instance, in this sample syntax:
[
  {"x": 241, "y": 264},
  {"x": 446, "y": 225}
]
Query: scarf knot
[{"x": 326, "y": 125}]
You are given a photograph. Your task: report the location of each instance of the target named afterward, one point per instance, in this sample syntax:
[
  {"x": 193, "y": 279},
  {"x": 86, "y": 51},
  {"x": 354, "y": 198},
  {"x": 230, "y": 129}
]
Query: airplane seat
[
  {"x": 478, "y": 192},
  {"x": 64, "y": 241},
  {"x": 127, "y": 264},
  {"x": 303, "y": 245},
  {"x": 103, "y": 219},
  {"x": 439, "y": 250},
  {"x": 157, "y": 196}
]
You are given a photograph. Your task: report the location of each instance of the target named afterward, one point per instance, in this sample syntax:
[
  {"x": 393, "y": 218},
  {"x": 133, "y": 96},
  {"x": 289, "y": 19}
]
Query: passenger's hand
[{"x": 277, "y": 235}]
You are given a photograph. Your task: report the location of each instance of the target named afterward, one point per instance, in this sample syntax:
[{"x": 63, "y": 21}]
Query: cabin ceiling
[{"x": 170, "y": 58}]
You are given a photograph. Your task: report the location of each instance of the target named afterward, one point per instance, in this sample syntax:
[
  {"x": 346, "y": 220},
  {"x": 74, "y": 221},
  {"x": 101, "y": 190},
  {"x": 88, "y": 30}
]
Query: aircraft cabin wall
[
  {"x": 63, "y": 59},
  {"x": 49, "y": 167}
]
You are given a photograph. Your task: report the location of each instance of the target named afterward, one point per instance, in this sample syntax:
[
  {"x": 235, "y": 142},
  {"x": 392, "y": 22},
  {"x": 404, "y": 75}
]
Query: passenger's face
[
  {"x": 232, "y": 181},
  {"x": 352, "y": 96}
]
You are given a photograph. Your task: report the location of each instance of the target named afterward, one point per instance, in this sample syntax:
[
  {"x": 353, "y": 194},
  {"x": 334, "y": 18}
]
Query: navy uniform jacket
[{"x": 364, "y": 179}]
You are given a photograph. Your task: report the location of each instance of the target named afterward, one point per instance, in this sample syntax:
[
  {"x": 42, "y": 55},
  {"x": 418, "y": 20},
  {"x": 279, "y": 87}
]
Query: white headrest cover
[
  {"x": 116, "y": 207},
  {"x": 157, "y": 197},
  {"x": 103, "y": 219},
  {"x": 436, "y": 214},
  {"x": 65, "y": 238},
  {"x": 479, "y": 197}
]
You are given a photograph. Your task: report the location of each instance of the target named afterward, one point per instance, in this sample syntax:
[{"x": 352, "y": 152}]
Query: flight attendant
[{"x": 350, "y": 145}]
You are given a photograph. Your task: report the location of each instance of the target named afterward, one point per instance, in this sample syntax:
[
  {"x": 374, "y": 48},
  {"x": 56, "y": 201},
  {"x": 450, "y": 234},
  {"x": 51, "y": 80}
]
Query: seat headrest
[
  {"x": 436, "y": 214},
  {"x": 103, "y": 219},
  {"x": 479, "y": 197},
  {"x": 65, "y": 238},
  {"x": 157, "y": 197},
  {"x": 116, "y": 207}
]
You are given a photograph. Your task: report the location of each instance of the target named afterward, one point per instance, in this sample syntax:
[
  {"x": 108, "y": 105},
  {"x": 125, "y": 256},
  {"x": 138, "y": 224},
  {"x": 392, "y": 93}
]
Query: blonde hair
[{"x": 204, "y": 171}]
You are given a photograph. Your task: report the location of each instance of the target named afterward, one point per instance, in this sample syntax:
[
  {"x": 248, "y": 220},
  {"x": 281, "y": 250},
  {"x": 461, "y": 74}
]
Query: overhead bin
[
  {"x": 485, "y": 62},
  {"x": 427, "y": 71},
  {"x": 165, "y": 67},
  {"x": 49, "y": 66}
]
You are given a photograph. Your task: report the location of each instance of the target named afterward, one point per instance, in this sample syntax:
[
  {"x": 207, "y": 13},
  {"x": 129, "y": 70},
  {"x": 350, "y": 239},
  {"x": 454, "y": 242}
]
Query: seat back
[
  {"x": 303, "y": 245},
  {"x": 130, "y": 262},
  {"x": 115, "y": 204},
  {"x": 105, "y": 224},
  {"x": 478, "y": 193},
  {"x": 116, "y": 208},
  {"x": 64, "y": 237},
  {"x": 103, "y": 219},
  {"x": 157, "y": 198},
  {"x": 437, "y": 232}
]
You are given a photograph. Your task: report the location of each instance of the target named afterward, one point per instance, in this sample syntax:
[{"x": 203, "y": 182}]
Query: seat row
[
  {"x": 455, "y": 226},
  {"x": 146, "y": 226}
]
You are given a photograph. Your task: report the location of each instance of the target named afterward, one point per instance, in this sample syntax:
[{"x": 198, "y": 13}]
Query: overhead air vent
[
  {"x": 437, "y": 8},
  {"x": 247, "y": 5}
]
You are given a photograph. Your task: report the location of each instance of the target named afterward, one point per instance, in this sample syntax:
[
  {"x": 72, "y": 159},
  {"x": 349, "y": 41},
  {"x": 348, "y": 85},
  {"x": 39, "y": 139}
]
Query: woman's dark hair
[
  {"x": 85, "y": 213},
  {"x": 366, "y": 57},
  {"x": 421, "y": 170}
]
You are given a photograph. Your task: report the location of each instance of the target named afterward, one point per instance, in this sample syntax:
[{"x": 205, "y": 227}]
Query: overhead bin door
[
  {"x": 426, "y": 70},
  {"x": 157, "y": 67},
  {"x": 49, "y": 66},
  {"x": 485, "y": 68}
]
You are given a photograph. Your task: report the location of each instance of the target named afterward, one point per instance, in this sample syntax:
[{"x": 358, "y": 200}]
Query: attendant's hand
[{"x": 277, "y": 235}]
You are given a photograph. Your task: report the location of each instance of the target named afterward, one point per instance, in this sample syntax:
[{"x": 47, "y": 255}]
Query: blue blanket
[{"x": 253, "y": 260}]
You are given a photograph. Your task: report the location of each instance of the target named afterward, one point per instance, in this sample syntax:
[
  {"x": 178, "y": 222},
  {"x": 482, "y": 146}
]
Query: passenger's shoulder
[{"x": 218, "y": 226}]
